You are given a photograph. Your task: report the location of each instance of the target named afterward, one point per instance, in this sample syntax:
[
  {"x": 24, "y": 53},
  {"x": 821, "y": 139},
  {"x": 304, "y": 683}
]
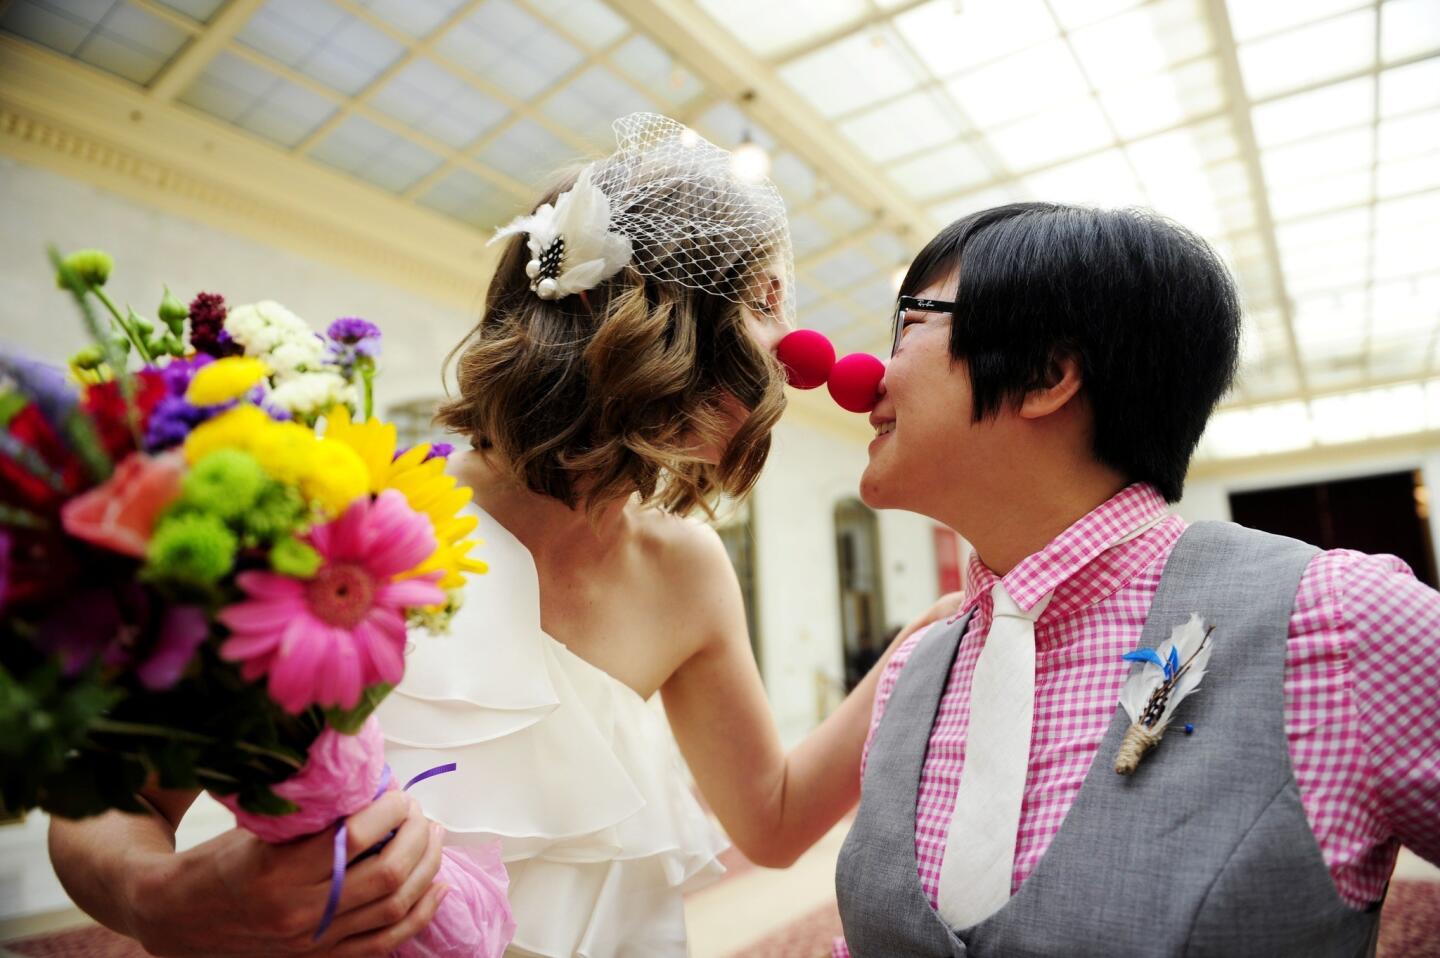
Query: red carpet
[{"x": 1409, "y": 928}]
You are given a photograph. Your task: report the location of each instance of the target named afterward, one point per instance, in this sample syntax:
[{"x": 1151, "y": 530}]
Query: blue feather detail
[
  {"x": 1173, "y": 665},
  {"x": 1145, "y": 655}
]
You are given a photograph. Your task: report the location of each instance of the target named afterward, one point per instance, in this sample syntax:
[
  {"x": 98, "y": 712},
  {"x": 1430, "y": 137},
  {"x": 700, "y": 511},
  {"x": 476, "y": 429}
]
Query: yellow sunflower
[{"x": 425, "y": 485}]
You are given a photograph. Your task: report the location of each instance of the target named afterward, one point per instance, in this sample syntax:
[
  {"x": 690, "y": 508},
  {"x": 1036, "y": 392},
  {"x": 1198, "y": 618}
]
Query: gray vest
[{"x": 1204, "y": 851}]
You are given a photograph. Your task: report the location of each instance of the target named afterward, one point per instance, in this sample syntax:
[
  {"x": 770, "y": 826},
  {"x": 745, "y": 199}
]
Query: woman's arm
[
  {"x": 238, "y": 896},
  {"x": 773, "y": 805},
  {"x": 104, "y": 861}
]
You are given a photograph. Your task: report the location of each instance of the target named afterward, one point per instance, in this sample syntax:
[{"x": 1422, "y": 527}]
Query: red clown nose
[
  {"x": 809, "y": 360},
  {"x": 807, "y": 357},
  {"x": 855, "y": 382}
]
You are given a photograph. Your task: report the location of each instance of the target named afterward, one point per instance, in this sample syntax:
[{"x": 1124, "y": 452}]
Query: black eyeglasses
[{"x": 908, "y": 303}]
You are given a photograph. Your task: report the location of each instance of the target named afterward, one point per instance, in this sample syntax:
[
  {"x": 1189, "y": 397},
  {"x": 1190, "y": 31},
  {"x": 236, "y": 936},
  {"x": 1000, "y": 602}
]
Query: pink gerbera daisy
[{"x": 325, "y": 639}]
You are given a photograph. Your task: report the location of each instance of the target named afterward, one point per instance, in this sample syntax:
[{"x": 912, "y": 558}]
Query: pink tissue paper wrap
[{"x": 340, "y": 778}]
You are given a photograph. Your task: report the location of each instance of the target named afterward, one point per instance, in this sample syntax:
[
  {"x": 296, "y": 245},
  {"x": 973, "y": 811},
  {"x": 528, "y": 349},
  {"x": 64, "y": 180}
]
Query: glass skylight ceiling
[{"x": 1302, "y": 137}]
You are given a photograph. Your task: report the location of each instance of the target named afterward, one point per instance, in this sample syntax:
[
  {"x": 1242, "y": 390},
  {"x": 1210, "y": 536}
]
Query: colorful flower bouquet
[{"x": 208, "y": 565}]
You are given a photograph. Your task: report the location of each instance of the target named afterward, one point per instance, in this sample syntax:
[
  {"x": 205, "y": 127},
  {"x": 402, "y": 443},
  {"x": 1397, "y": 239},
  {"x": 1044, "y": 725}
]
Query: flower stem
[
  {"x": 113, "y": 356},
  {"x": 367, "y": 380},
  {"x": 135, "y": 337},
  {"x": 113, "y": 727}
]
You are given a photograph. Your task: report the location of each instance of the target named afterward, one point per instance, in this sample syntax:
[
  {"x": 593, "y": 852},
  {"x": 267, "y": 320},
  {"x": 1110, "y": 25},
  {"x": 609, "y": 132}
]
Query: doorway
[
  {"x": 862, "y": 604},
  {"x": 1386, "y": 513}
]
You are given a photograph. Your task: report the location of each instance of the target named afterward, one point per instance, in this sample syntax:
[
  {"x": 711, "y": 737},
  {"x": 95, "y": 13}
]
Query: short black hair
[{"x": 1144, "y": 305}]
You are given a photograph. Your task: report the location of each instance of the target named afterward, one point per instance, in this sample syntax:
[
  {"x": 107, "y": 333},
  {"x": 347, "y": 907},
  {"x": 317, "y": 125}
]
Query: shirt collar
[{"x": 1039, "y": 574}]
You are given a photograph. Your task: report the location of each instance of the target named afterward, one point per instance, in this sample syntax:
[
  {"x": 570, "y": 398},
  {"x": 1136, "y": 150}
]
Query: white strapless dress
[{"x": 568, "y": 767}]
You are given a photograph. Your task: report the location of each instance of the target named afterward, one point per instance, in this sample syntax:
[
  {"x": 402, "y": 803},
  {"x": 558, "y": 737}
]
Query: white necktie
[{"x": 980, "y": 848}]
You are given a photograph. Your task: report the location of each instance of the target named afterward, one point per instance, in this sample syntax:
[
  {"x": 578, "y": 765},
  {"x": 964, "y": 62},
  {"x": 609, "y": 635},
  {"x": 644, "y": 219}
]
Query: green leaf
[
  {"x": 348, "y": 721},
  {"x": 92, "y": 782},
  {"x": 173, "y": 762},
  {"x": 85, "y": 440},
  {"x": 11, "y": 402}
]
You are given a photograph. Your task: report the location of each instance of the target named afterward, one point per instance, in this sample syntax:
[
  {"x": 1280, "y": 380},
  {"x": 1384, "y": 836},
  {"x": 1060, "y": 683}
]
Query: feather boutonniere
[{"x": 1152, "y": 692}]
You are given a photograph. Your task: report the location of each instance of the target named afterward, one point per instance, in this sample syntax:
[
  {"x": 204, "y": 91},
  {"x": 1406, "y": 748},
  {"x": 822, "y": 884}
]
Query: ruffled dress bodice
[{"x": 569, "y": 768}]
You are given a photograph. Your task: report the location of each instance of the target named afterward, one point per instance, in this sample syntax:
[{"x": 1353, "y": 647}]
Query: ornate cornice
[{"x": 62, "y": 116}]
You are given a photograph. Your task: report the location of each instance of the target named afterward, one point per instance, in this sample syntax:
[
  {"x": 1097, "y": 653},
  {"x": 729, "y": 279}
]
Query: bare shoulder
[
  {"x": 688, "y": 556},
  {"x": 683, "y": 550}
]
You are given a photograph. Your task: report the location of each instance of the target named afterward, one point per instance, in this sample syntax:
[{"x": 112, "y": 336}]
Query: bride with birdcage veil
[{"x": 620, "y": 377}]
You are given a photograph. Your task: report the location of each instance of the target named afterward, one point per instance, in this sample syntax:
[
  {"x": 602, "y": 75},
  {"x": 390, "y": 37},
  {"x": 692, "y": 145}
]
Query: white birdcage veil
[{"x": 667, "y": 204}]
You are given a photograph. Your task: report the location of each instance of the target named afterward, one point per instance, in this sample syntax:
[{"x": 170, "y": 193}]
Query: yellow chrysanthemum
[
  {"x": 425, "y": 485},
  {"x": 336, "y": 476},
  {"x": 237, "y": 428},
  {"x": 328, "y": 473},
  {"x": 224, "y": 380}
]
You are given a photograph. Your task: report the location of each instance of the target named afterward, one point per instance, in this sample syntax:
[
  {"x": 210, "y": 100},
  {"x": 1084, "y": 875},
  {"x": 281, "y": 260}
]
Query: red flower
[
  {"x": 44, "y": 567},
  {"x": 207, "y": 327},
  {"x": 21, "y": 487},
  {"x": 106, "y": 406}
]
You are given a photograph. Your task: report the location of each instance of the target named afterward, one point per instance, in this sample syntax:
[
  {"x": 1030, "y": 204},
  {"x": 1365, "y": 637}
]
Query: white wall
[
  {"x": 1204, "y": 499},
  {"x": 152, "y": 247},
  {"x": 798, "y": 592}
]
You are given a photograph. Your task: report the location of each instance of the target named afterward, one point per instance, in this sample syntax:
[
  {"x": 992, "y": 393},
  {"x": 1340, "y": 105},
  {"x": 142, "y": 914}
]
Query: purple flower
[
  {"x": 438, "y": 450},
  {"x": 125, "y": 627},
  {"x": 352, "y": 338},
  {"x": 44, "y": 384},
  {"x": 174, "y": 416},
  {"x": 4, "y": 567},
  {"x": 171, "y": 421},
  {"x": 178, "y": 373},
  {"x": 79, "y": 630},
  {"x": 182, "y": 629},
  {"x": 352, "y": 331}
]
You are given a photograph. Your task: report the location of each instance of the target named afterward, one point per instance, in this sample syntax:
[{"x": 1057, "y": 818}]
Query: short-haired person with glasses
[{"x": 1053, "y": 369}]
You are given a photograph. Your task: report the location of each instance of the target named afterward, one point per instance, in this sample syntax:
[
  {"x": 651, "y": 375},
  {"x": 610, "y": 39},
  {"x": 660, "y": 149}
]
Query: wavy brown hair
[{"x": 597, "y": 397}]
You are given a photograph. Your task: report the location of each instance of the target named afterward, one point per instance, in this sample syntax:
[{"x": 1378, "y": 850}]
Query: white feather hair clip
[
  {"x": 1153, "y": 691},
  {"x": 572, "y": 247}
]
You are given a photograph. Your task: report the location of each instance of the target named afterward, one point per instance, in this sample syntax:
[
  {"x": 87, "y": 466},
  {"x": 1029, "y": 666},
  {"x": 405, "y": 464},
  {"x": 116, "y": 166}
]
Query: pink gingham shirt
[{"x": 1361, "y": 689}]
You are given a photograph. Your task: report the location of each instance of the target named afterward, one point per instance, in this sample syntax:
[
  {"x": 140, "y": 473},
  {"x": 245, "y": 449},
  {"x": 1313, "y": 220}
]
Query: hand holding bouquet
[{"x": 207, "y": 569}]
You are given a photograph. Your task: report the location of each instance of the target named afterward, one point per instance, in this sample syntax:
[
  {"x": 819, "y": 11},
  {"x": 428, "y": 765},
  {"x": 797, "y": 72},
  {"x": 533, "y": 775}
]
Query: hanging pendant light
[{"x": 750, "y": 162}]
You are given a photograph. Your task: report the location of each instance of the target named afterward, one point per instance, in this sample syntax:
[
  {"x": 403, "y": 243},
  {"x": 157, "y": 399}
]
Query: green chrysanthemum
[
  {"x": 191, "y": 548},
  {"x": 225, "y": 483},
  {"x": 278, "y": 511},
  {"x": 294, "y": 558}
]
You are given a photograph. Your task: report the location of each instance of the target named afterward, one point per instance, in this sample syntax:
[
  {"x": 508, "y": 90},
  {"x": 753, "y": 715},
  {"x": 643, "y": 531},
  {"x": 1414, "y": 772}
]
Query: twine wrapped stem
[{"x": 1138, "y": 741}]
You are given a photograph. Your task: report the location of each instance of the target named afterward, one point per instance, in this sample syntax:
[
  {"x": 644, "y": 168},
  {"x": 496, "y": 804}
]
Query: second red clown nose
[
  {"x": 855, "y": 382},
  {"x": 809, "y": 360}
]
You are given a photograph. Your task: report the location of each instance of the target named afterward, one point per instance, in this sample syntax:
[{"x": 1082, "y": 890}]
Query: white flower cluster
[{"x": 303, "y": 383}]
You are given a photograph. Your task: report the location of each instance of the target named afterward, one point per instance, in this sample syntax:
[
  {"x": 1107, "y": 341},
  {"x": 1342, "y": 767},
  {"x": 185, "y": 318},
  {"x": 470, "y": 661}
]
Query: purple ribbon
[{"x": 338, "y": 862}]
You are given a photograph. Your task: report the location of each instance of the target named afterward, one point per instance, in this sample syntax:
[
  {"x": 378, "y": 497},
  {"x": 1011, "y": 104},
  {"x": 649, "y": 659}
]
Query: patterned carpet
[{"x": 1409, "y": 928}]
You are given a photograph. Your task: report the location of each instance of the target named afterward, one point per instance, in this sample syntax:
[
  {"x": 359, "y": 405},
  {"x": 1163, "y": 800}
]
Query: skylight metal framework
[{"x": 1302, "y": 137}]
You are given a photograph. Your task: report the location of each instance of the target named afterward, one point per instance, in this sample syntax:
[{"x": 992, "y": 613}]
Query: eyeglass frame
[{"x": 906, "y": 303}]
